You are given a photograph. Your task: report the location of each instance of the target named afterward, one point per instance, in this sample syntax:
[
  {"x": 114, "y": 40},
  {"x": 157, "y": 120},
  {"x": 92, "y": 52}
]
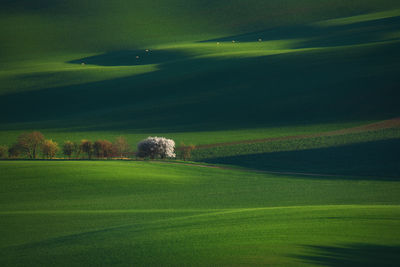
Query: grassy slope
[
  {"x": 366, "y": 158},
  {"x": 366, "y": 153},
  {"x": 196, "y": 92},
  {"x": 32, "y": 29},
  {"x": 141, "y": 213},
  {"x": 306, "y": 110},
  {"x": 321, "y": 66}
]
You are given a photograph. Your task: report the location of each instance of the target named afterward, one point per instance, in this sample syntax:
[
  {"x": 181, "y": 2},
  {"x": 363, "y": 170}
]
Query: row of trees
[
  {"x": 32, "y": 145},
  {"x": 99, "y": 149}
]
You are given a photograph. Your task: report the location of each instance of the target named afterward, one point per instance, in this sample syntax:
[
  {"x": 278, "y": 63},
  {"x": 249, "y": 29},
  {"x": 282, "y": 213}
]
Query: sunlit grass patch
[
  {"x": 359, "y": 18},
  {"x": 39, "y": 75},
  {"x": 148, "y": 213}
]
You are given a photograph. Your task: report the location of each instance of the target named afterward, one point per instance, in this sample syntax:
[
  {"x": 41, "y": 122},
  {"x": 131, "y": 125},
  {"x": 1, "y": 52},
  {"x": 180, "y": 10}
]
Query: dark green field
[
  {"x": 329, "y": 66},
  {"x": 293, "y": 106}
]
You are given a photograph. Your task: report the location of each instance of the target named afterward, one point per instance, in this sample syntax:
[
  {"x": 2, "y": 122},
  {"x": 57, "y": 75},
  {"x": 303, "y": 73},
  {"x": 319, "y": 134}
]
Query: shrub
[
  {"x": 86, "y": 146},
  {"x": 69, "y": 148},
  {"x": 29, "y": 143},
  {"x": 103, "y": 149},
  {"x": 156, "y": 147},
  {"x": 14, "y": 151},
  {"x": 3, "y": 152},
  {"x": 49, "y": 148},
  {"x": 121, "y": 147}
]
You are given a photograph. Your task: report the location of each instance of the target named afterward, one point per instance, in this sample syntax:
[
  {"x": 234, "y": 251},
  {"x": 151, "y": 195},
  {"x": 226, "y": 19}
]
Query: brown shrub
[{"x": 49, "y": 149}]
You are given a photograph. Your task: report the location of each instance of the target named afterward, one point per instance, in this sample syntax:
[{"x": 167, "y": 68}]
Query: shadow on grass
[
  {"x": 132, "y": 57},
  {"x": 352, "y": 255},
  {"x": 373, "y": 160},
  {"x": 316, "y": 36},
  {"x": 192, "y": 94},
  {"x": 216, "y": 94}
]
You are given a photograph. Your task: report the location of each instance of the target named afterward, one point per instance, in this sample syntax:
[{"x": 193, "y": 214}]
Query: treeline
[{"x": 34, "y": 145}]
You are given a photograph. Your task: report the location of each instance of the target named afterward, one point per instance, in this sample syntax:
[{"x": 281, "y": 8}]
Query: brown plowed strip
[{"x": 386, "y": 124}]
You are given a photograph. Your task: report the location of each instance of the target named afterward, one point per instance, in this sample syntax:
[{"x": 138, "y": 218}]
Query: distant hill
[{"x": 34, "y": 28}]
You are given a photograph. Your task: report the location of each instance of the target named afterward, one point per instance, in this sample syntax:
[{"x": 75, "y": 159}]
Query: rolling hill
[
  {"x": 105, "y": 213},
  {"x": 293, "y": 107},
  {"x": 329, "y": 66}
]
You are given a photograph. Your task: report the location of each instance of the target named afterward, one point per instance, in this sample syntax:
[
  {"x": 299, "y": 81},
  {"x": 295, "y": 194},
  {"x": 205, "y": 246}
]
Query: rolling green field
[
  {"x": 292, "y": 105},
  {"x": 69, "y": 213},
  {"x": 295, "y": 67}
]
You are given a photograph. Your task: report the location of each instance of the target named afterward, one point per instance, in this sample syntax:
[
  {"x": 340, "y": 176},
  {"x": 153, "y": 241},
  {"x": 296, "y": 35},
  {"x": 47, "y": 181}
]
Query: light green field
[{"x": 143, "y": 213}]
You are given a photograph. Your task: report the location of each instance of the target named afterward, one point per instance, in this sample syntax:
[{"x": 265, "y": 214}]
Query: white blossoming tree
[{"x": 154, "y": 147}]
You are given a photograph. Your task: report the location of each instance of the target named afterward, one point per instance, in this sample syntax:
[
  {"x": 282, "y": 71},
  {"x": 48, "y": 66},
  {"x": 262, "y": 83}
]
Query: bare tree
[
  {"x": 30, "y": 143},
  {"x": 121, "y": 147},
  {"x": 49, "y": 148},
  {"x": 156, "y": 147},
  {"x": 187, "y": 151}
]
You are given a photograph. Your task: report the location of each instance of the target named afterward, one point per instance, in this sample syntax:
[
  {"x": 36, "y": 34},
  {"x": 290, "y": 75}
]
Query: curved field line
[
  {"x": 203, "y": 212},
  {"x": 110, "y": 211},
  {"x": 386, "y": 124},
  {"x": 155, "y": 224}
]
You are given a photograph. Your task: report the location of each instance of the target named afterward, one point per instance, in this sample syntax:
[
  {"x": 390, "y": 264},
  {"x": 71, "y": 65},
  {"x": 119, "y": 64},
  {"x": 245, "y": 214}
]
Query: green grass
[
  {"x": 208, "y": 96},
  {"x": 296, "y": 144},
  {"x": 360, "y": 18},
  {"x": 374, "y": 158},
  {"x": 141, "y": 213},
  {"x": 294, "y": 68},
  {"x": 37, "y": 75},
  {"x": 188, "y": 137},
  {"x": 369, "y": 153},
  {"x": 187, "y": 86},
  {"x": 82, "y": 26}
]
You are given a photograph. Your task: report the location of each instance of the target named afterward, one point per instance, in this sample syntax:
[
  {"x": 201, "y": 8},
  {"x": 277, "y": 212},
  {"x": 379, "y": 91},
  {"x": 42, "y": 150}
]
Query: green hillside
[
  {"x": 151, "y": 214},
  {"x": 295, "y": 67},
  {"x": 292, "y": 105},
  {"x": 44, "y": 27}
]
